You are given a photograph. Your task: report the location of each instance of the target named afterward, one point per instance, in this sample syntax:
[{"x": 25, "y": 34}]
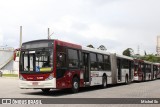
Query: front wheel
[
  {"x": 75, "y": 85},
  {"x": 46, "y": 90}
]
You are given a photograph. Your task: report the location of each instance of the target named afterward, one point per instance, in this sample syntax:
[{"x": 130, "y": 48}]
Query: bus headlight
[
  {"x": 50, "y": 77},
  {"x": 22, "y": 78}
]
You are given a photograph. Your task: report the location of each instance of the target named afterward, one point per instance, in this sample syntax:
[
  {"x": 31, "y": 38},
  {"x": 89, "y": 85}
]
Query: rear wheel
[
  {"x": 46, "y": 90},
  {"x": 155, "y": 76},
  {"x": 75, "y": 85},
  {"x": 126, "y": 80},
  {"x": 142, "y": 78},
  {"x": 104, "y": 82},
  {"x": 149, "y": 77}
]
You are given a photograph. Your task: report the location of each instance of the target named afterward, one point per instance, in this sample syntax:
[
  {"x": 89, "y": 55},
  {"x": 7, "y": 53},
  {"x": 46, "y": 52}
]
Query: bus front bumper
[{"x": 37, "y": 84}]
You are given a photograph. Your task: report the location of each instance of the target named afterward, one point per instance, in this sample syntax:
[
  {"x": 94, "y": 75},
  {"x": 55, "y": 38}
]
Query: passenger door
[{"x": 85, "y": 66}]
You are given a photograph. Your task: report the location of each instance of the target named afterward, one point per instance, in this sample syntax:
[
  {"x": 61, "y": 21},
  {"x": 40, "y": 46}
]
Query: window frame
[{"x": 78, "y": 60}]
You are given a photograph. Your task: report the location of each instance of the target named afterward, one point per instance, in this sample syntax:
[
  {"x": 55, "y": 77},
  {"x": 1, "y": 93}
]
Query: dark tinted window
[
  {"x": 100, "y": 62},
  {"x": 61, "y": 57},
  {"x": 125, "y": 64},
  {"x": 100, "y": 58},
  {"x": 73, "y": 58},
  {"x": 94, "y": 62},
  {"x": 72, "y": 54},
  {"x": 107, "y": 65},
  {"x": 93, "y": 57}
]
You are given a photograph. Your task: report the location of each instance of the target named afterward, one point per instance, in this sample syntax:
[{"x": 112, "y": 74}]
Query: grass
[{"x": 9, "y": 75}]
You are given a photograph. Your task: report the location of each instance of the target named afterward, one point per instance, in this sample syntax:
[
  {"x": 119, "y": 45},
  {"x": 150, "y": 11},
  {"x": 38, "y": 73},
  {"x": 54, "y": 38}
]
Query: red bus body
[{"x": 65, "y": 82}]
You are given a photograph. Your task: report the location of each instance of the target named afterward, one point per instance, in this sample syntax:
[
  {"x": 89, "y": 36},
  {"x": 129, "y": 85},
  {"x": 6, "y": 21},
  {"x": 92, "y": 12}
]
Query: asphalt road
[{"x": 151, "y": 89}]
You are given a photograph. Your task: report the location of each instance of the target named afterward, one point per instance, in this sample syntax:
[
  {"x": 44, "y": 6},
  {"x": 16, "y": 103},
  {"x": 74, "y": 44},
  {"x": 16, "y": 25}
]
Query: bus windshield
[{"x": 36, "y": 60}]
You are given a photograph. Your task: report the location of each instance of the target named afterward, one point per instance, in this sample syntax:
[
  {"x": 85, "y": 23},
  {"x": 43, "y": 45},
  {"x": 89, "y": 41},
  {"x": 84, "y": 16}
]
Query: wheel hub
[{"x": 76, "y": 85}]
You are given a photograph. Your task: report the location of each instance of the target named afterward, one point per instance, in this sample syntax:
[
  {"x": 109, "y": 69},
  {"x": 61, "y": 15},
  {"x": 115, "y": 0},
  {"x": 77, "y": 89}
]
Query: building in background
[
  {"x": 7, "y": 64},
  {"x": 158, "y": 46}
]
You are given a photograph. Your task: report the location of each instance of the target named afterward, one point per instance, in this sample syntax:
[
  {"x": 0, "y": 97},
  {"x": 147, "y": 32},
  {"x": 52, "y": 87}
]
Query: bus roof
[
  {"x": 95, "y": 50},
  {"x": 57, "y": 42},
  {"x": 125, "y": 57},
  {"x": 40, "y": 40},
  {"x": 67, "y": 44},
  {"x": 147, "y": 62}
]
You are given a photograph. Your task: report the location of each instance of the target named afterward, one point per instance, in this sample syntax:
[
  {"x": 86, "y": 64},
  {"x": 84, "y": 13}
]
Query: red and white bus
[
  {"x": 54, "y": 64},
  {"x": 155, "y": 71},
  {"x": 138, "y": 72},
  {"x": 143, "y": 70}
]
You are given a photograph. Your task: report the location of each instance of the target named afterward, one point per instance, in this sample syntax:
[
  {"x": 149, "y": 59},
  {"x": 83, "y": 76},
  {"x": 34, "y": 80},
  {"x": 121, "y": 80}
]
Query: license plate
[{"x": 34, "y": 83}]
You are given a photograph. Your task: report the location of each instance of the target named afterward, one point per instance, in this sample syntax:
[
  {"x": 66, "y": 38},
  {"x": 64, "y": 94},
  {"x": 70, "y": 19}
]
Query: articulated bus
[{"x": 54, "y": 64}]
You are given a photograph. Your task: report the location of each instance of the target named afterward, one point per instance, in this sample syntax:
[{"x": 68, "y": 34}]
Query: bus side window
[
  {"x": 61, "y": 57},
  {"x": 61, "y": 60},
  {"x": 73, "y": 58}
]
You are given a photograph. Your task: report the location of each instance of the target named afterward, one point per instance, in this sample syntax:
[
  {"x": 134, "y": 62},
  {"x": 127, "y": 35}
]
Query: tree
[
  {"x": 128, "y": 52},
  {"x": 91, "y": 46},
  {"x": 102, "y": 47},
  {"x": 151, "y": 58}
]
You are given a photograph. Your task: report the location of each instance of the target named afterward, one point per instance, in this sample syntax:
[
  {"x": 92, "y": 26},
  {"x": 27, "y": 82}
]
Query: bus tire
[
  {"x": 126, "y": 80},
  {"x": 104, "y": 82},
  {"x": 142, "y": 78},
  {"x": 155, "y": 76},
  {"x": 75, "y": 85},
  {"x": 45, "y": 90}
]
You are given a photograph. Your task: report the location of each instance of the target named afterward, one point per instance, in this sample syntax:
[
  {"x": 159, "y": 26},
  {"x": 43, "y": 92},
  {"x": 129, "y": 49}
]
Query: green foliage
[
  {"x": 128, "y": 52},
  {"x": 10, "y": 75},
  {"x": 151, "y": 58}
]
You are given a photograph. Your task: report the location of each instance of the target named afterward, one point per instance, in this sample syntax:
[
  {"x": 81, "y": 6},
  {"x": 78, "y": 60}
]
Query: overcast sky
[{"x": 116, "y": 24}]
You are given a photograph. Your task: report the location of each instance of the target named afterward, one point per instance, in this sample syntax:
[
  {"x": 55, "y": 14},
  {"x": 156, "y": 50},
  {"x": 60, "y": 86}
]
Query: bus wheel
[
  {"x": 142, "y": 78},
  {"x": 45, "y": 90},
  {"x": 75, "y": 85},
  {"x": 104, "y": 82},
  {"x": 126, "y": 80},
  {"x": 155, "y": 76}
]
